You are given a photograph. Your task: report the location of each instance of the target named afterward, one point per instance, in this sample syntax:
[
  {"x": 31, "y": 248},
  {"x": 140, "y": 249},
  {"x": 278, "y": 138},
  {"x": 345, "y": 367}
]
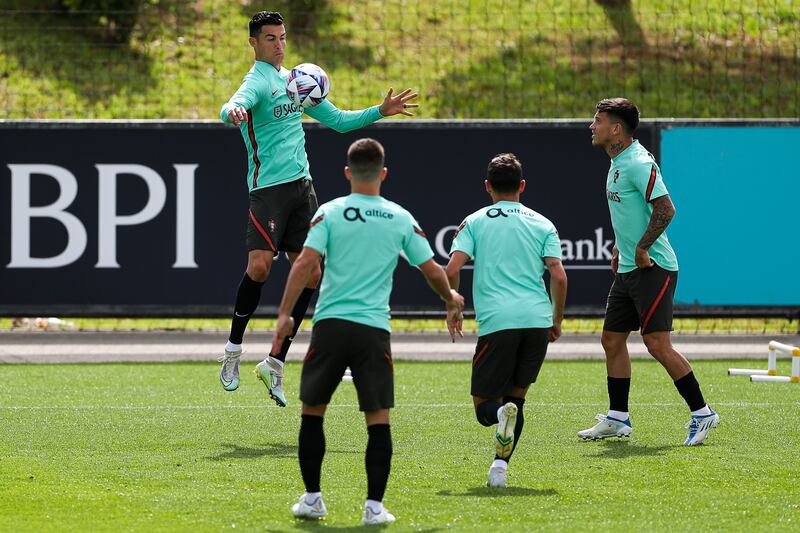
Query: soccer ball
[{"x": 307, "y": 85}]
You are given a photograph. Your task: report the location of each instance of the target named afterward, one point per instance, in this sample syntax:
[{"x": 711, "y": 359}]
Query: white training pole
[
  {"x": 746, "y": 372},
  {"x": 770, "y": 378},
  {"x": 772, "y": 361},
  {"x": 785, "y": 348},
  {"x": 795, "y": 366}
]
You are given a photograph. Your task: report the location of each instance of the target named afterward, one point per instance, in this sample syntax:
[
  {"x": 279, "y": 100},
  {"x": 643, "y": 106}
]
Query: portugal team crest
[{"x": 271, "y": 225}]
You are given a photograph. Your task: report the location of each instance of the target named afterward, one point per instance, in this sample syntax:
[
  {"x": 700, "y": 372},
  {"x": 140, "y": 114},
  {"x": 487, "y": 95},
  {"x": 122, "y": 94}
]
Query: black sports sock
[
  {"x": 487, "y": 412},
  {"x": 689, "y": 388},
  {"x": 298, "y": 313},
  {"x": 618, "y": 392},
  {"x": 311, "y": 450},
  {"x": 246, "y": 302},
  {"x": 378, "y": 460},
  {"x": 519, "y": 402}
]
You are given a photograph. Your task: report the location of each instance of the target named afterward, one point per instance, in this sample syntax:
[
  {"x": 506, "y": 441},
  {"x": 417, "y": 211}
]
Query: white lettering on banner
[
  {"x": 184, "y": 217},
  {"x": 22, "y": 212},
  {"x": 586, "y": 249},
  {"x": 439, "y": 241},
  {"x": 108, "y": 220},
  {"x": 598, "y": 249}
]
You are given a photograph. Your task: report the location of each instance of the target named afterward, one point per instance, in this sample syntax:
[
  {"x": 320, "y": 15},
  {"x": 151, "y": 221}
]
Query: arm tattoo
[{"x": 663, "y": 211}]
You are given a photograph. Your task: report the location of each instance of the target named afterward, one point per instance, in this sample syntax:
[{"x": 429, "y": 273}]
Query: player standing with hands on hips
[
  {"x": 645, "y": 274},
  {"x": 282, "y": 198}
]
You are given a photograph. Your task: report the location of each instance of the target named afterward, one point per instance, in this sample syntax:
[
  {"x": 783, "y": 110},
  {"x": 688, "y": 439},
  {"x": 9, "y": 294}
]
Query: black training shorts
[
  {"x": 507, "y": 358},
  {"x": 337, "y": 344},
  {"x": 641, "y": 299},
  {"x": 280, "y": 216}
]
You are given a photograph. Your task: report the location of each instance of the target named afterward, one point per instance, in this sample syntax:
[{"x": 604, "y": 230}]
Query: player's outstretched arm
[
  {"x": 437, "y": 279},
  {"x": 663, "y": 212},
  {"x": 558, "y": 293},
  {"x": 399, "y": 104},
  {"x": 298, "y": 279}
]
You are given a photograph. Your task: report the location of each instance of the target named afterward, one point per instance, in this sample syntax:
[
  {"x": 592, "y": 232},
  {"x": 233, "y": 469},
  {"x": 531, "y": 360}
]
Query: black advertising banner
[{"x": 146, "y": 218}]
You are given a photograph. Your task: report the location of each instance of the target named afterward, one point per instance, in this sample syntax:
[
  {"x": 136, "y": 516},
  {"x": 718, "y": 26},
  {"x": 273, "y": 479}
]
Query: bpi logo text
[{"x": 107, "y": 218}]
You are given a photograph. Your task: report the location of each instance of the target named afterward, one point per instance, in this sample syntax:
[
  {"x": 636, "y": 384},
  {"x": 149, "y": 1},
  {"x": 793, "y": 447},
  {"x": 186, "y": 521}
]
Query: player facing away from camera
[
  {"x": 282, "y": 198},
  {"x": 361, "y": 237},
  {"x": 645, "y": 274},
  {"x": 512, "y": 245}
]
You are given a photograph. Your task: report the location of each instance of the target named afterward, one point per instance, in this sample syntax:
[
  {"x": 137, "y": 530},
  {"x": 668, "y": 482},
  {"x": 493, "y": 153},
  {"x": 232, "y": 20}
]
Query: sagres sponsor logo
[
  {"x": 355, "y": 213},
  {"x": 613, "y": 196},
  {"x": 590, "y": 253},
  {"x": 286, "y": 109}
]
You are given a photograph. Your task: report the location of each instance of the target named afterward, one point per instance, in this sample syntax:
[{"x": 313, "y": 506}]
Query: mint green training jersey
[
  {"x": 509, "y": 243},
  {"x": 273, "y": 133},
  {"x": 634, "y": 180},
  {"x": 361, "y": 237}
]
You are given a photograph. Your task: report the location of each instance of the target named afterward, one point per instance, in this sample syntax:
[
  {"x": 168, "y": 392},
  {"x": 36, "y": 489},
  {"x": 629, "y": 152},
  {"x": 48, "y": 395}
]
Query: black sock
[
  {"x": 487, "y": 412},
  {"x": 690, "y": 390},
  {"x": 311, "y": 450},
  {"x": 618, "y": 391},
  {"x": 519, "y": 402},
  {"x": 246, "y": 302},
  {"x": 298, "y": 313},
  {"x": 378, "y": 460}
]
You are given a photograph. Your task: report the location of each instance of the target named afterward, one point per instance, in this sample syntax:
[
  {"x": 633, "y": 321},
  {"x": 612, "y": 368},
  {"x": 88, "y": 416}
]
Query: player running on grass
[
  {"x": 645, "y": 274},
  {"x": 512, "y": 246},
  {"x": 361, "y": 236},
  {"x": 282, "y": 198}
]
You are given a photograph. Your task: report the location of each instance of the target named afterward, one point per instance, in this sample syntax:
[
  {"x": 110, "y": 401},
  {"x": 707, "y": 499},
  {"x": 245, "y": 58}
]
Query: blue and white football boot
[{"x": 699, "y": 426}]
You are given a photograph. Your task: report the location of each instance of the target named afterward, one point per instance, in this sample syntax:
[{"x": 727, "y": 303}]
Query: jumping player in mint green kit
[
  {"x": 645, "y": 274},
  {"x": 361, "y": 236},
  {"x": 512, "y": 246},
  {"x": 282, "y": 198}
]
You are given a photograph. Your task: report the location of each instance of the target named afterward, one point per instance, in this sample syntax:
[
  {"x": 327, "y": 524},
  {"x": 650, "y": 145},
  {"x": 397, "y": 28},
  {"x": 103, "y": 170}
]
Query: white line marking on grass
[{"x": 349, "y": 405}]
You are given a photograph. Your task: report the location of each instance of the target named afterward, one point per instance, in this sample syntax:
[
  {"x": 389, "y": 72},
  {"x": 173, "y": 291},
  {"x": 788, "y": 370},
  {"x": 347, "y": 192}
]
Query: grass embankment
[{"x": 487, "y": 59}]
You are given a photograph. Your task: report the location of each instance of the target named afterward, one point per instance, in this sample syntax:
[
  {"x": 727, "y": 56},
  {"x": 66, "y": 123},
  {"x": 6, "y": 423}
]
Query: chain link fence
[{"x": 477, "y": 59}]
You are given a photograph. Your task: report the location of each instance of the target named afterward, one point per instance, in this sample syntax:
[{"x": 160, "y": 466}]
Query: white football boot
[
  {"x": 371, "y": 518},
  {"x": 310, "y": 510},
  {"x": 607, "y": 427},
  {"x": 497, "y": 476},
  {"x": 504, "y": 436}
]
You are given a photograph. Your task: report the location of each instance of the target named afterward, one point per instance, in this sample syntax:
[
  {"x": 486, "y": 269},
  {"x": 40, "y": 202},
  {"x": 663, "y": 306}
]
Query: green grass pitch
[{"x": 160, "y": 447}]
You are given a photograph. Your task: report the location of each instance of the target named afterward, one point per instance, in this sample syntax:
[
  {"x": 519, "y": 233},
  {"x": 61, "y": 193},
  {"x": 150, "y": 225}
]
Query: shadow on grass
[
  {"x": 620, "y": 449},
  {"x": 491, "y": 492},
  {"x": 244, "y": 452},
  {"x": 236, "y": 451}
]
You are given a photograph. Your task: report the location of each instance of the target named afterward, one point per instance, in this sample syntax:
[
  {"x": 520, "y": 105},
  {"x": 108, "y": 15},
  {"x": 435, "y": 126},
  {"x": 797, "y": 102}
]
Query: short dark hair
[
  {"x": 504, "y": 173},
  {"x": 365, "y": 158},
  {"x": 623, "y": 110},
  {"x": 264, "y": 18}
]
